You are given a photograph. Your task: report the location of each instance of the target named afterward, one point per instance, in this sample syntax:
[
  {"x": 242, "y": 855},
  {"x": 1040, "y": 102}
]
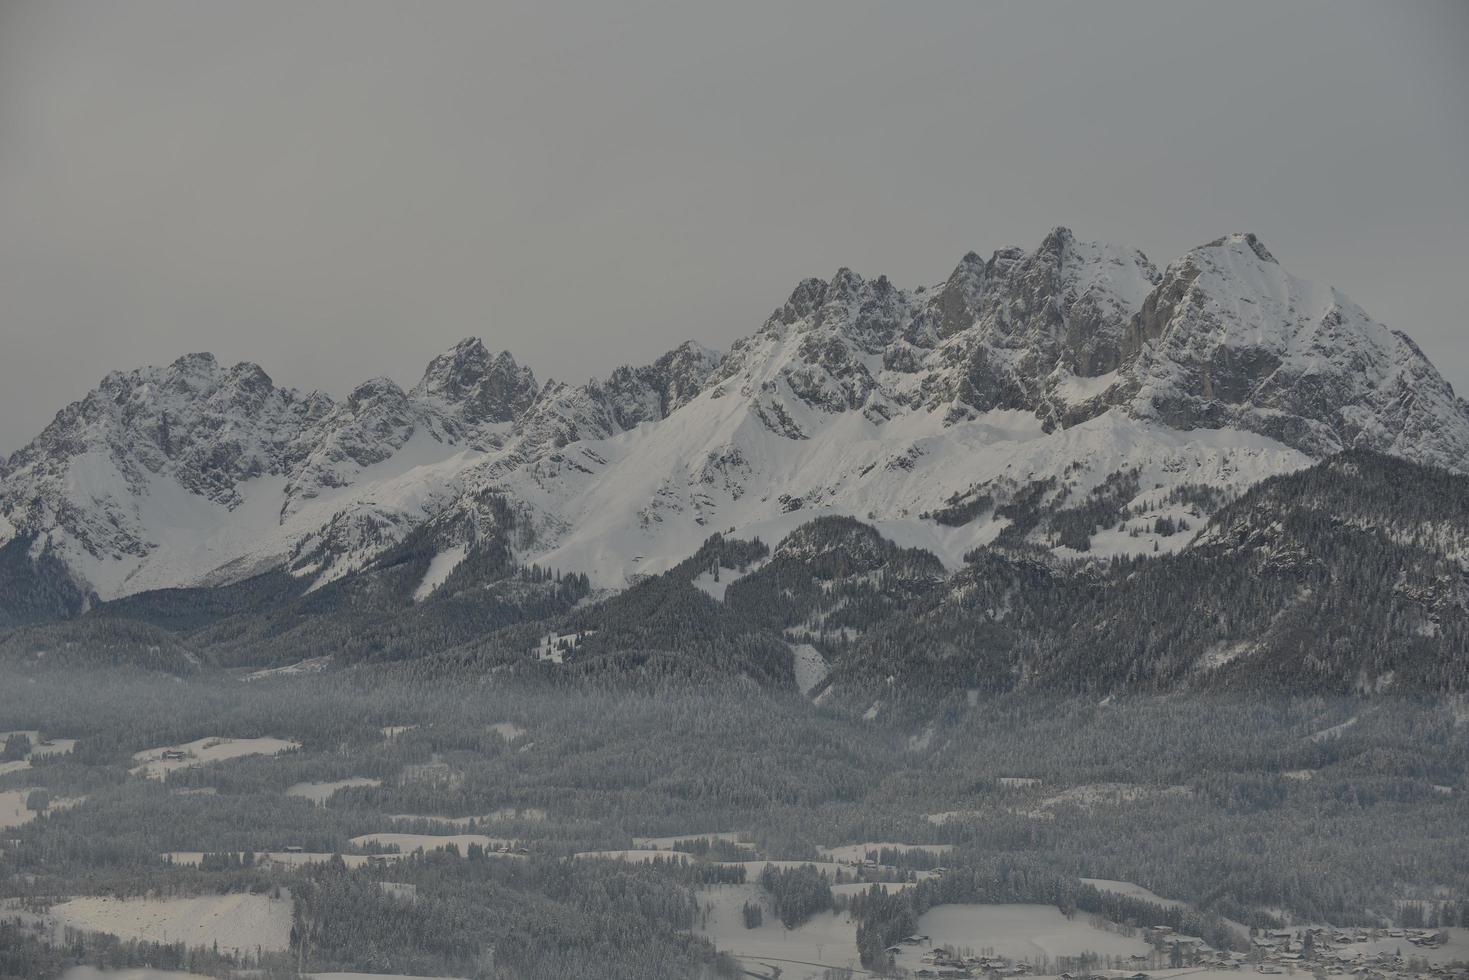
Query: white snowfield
[
  {"x": 438, "y": 570},
  {"x": 239, "y": 922},
  {"x": 1131, "y": 890},
  {"x": 1027, "y": 933},
  {"x": 154, "y": 764},
  {"x": 810, "y": 667}
]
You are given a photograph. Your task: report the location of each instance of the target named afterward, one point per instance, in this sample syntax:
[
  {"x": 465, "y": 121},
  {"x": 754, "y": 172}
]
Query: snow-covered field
[
  {"x": 1020, "y": 932},
  {"x": 530, "y": 814},
  {"x": 321, "y": 792},
  {"x": 856, "y": 853},
  {"x": 1099, "y": 794},
  {"x": 633, "y": 855},
  {"x": 508, "y": 730},
  {"x": 753, "y": 869},
  {"x": 13, "y": 811},
  {"x": 667, "y": 843},
  {"x": 804, "y": 953},
  {"x": 408, "y": 843},
  {"x": 92, "y": 973},
  {"x": 1131, "y": 891},
  {"x": 289, "y": 858},
  {"x": 51, "y": 746},
  {"x": 153, "y": 765},
  {"x": 861, "y": 887},
  {"x": 550, "y": 646},
  {"x": 236, "y": 922}
]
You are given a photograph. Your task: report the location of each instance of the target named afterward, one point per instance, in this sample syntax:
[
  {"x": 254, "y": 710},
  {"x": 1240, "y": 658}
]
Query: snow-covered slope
[{"x": 1065, "y": 378}]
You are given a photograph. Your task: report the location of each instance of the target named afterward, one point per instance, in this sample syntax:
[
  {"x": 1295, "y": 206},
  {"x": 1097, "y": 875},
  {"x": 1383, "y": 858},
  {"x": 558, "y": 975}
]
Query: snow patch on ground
[
  {"x": 826, "y": 941},
  {"x": 153, "y": 765},
  {"x": 439, "y": 569},
  {"x": 809, "y": 665},
  {"x": 286, "y": 859},
  {"x": 319, "y": 793},
  {"x": 408, "y": 843},
  {"x": 507, "y": 730},
  {"x": 667, "y": 843},
  {"x": 315, "y": 665},
  {"x": 237, "y": 922},
  {"x": 15, "y": 813},
  {"x": 857, "y": 853},
  {"x": 1334, "y": 731}
]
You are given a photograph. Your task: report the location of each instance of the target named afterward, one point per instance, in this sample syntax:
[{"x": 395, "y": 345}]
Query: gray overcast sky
[{"x": 341, "y": 190}]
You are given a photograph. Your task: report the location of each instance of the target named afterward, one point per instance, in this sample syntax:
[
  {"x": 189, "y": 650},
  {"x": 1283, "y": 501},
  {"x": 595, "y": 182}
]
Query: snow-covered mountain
[{"x": 1072, "y": 396}]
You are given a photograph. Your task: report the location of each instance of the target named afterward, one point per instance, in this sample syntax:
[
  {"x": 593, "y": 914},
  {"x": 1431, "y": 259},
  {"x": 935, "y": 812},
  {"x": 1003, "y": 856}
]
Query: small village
[{"x": 1319, "y": 951}]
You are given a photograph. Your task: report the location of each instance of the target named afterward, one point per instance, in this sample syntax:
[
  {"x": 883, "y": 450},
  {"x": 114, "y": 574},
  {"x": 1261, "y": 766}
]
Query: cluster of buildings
[
  {"x": 946, "y": 962},
  {"x": 1353, "y": 954},
  {"x": 1341, "y": 952}
]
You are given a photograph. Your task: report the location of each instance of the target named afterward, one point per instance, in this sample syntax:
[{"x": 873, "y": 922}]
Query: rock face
[
  {"x": 1230, "y": 339},
  {"x": 1044, "y": 397}
]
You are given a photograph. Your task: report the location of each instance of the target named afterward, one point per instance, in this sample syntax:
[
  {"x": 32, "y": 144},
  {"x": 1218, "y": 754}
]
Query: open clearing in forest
[
  {"x": 1131, "y": 891},
  {"x": 1025, "y": 933},
  {"x": 635, "y": 855},
  {"x": 857, "y": 853},
  {"x": 669, "y": 843},
  {"x": 850, "y": 888},
  {"x": 408, "y": 843},
  {"x": 319, "y": 793},
  {"x": 827, "y": 940},
  {"x": 13, "y": 810},
  {"x": 92, "y": 973},
  {"x": 159, "y": 762},
  {"x": 288, "y": 858},
  {"x": 238, "y": 922},
  {"x": 42, "y": 747},
  {"x": 754, "y": 869},
  {"x": 529, "y": 814}
]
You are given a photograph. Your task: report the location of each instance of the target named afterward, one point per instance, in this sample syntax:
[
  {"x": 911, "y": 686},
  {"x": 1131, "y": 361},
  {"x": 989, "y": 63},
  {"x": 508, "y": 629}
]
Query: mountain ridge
[{"x": 936, "y": 412}]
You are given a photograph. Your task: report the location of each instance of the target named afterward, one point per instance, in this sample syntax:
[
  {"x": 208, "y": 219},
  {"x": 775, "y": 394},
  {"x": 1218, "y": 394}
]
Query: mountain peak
[
  {"x": 1243, "y": 240},
  {"x": 484, "y": 387},
  {"x": 1058, "y": 240}
]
